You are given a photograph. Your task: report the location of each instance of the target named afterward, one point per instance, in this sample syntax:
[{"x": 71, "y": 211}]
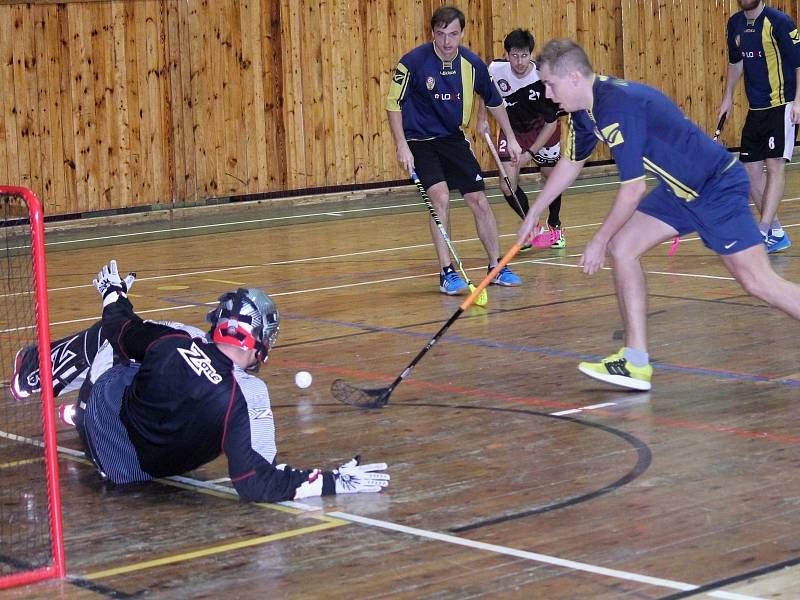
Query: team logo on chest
[
  {"x": 503, "y": 85},
  {"x": 430, "y": 83}
]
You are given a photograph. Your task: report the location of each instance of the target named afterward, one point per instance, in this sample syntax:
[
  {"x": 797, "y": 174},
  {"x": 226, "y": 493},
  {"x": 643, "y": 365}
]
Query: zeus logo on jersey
[
  {"x": 612, "y": 135},
  {"x": 200, "y": 362},
  {"x": 795, "y": 37},
  {"x": 399, "y": 76}
]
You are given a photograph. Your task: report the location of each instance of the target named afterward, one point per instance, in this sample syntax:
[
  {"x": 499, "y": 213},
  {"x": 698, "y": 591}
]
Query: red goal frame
[{"x": 57, "y": 566}]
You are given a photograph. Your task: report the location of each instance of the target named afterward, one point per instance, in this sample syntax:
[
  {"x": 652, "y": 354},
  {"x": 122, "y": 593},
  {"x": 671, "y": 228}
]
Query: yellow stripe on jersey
[
  {"x": 570, "y": 151},
  {"x": 468, "y": 87},
  {"x": 397, "y": 89},
  {"x": 679, "y": 189},
  {"x": 774, "y": 63}
]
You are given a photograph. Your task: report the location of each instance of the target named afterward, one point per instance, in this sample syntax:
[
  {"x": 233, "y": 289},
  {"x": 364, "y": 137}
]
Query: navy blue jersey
[
  {"x": 436, "y": 97},
  {"x": 645, "y": 130},
  {"x": 768, "y": 45},
  {"x": 189, "y": 402}
]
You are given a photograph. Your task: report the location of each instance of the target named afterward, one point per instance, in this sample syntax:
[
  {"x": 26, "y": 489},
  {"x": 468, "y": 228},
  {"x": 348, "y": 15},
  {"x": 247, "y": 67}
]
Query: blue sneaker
[
  {"x": 450, "y": 283},
  {"x": 775, "y": 243},
  {"x": 507, "y": 278}
]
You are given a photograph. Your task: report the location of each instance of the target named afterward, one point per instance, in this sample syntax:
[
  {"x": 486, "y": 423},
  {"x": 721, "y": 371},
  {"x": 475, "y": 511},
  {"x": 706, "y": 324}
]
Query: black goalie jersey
[{"x": 526, "y": 103}]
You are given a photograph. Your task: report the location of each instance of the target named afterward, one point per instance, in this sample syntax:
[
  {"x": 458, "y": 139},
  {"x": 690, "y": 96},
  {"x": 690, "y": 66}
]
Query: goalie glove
[
  {"x": 109, "y": 284},
  {"x": 355, "y": 478}
]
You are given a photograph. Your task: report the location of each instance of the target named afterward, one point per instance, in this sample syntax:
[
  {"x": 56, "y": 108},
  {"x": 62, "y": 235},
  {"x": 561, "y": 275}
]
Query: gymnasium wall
[{"x": 133, "y": 103}]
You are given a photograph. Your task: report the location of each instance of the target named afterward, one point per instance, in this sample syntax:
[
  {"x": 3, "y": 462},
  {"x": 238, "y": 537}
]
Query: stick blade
[
  {"x": 546, "y": 238},
  {"x": 482, "y": 299},
  {"x": 361, "y": 398}
]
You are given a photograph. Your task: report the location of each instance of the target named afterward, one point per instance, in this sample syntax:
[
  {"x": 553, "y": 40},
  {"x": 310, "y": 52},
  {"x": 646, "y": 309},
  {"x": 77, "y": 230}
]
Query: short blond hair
[{"x": 564, "y": 55}]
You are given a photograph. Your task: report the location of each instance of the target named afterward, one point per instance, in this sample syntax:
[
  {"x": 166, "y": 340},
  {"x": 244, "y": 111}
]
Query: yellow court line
[
  {"x": 168, "y": 560},
  {"x": 17, "y": 463},
  {"x": 239, "y": 283}
]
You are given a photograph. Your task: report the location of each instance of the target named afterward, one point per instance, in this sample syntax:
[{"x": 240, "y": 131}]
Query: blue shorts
[
  {"x": 720, "y": 215},
  {"x": 103, "y": 432}
]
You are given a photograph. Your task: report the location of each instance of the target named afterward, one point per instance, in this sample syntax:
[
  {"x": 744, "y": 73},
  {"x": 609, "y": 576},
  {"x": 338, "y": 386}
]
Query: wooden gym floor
[{"x": 513, "y": 476}]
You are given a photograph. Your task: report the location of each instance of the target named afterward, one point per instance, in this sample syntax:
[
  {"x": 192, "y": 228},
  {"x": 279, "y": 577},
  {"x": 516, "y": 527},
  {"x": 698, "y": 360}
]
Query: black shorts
[
  {"x": 447, "y": 159},
  {"x": 768, "y": 133}
]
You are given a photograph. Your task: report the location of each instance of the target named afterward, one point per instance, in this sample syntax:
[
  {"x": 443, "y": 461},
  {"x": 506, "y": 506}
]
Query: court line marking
[
  {"x": 214, "y": 550},
  {"x": 331, "y": 519},
  {"x": 536, "y": 557}
]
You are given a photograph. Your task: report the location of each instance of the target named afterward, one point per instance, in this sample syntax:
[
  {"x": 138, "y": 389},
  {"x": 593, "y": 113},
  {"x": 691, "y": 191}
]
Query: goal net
[{"x": 31, "y": 539}]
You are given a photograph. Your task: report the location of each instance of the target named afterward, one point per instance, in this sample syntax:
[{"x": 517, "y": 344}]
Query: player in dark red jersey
[{"x": 534, "y": 119}]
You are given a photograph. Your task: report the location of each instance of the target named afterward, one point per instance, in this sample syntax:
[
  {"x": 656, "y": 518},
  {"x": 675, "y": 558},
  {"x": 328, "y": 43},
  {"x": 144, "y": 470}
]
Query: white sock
[{"x": 777, "y": 231}]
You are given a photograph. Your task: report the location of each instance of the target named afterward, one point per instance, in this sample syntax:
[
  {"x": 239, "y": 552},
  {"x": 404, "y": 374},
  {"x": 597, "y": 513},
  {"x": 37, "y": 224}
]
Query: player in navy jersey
[
  {"x": 763, "y": 43},
  {"x": 429, "y": 104},
  {"x": 701, "y": 187},
  {"x": 534, "y": 119},
  {"x": 163, "y": 398}
]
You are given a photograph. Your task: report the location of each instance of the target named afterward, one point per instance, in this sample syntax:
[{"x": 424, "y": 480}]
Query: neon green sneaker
[
  {"x": 561, "y": 242},
  {"x": 615, "y": 369}
]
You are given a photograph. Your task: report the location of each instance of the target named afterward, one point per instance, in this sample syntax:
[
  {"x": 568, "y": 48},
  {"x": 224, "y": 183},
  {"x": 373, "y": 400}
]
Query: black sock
[
  {"x": 555, "y": 210},
  {"x": 448, "y": 268},
  {"x": 513, "y": 204},
  {"x": 523, "y": 200}
]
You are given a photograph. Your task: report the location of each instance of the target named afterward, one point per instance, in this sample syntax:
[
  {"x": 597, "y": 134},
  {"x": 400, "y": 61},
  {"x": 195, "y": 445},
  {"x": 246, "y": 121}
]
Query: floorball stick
[
  {"x": 378, "y": 397},
  {"x": 720, "y": 125},
  {"x": 483, "y": 297},
  {"x": 540, "y": 240}
]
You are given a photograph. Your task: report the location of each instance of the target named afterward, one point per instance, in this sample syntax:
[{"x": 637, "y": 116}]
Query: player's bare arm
[
  {"x": 404, "y": 154},
  {"x": 563, "y": 175},
  {"x": 735, "y": 71},
  {"x": 628, "y": 197}
]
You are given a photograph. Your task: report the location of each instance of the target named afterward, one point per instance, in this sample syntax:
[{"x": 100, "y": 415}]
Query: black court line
[
  {"x": 643, "y": 460},
  {"x": 720, "y": 583}
]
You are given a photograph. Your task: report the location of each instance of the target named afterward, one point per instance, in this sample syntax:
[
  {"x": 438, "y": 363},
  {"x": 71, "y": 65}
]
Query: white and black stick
[
  {"x": 483, "y": 297},
  {"x": 720, "y": 125},
  {"x": 378, "y": 397}
]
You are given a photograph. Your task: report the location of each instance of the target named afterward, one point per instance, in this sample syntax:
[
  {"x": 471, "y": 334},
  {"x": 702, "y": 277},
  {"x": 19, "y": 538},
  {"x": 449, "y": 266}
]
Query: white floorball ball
[{"x": 302, "y": 379}]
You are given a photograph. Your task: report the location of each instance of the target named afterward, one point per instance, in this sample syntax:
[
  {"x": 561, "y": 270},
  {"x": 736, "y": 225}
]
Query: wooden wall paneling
[
  {"x": 294, "y": 105},
  {"x": 179, "y": 62},
  {"x": 63, "y": 79},
  {"x": 83, "y": 114},
  {"x": 25, "y": 94},
  {"x": 141, "y": 80},
  {"x": 376, "y": 65},
  {"x": 328, "y": 130},
  {"x": 59, "y": 197},
  {"x": 274, "y": 155},
  {"x": 198, "y": 64},
  {"x": 314, "y": 93},
  {"x": 166, "y": 193},
  {"x": 253, "y": 113},
  {"x": 212, "y": 83},
  {"x": 119, "y": 118},
  {"x": 234, "y": 136},
  {"x": 8, "y": 129},
  {"x": 357, "y": 98},
  {"x": 135, "y": 99},
  {"x": 101, "y": 67},
  {"x": 42, "y": 142}
]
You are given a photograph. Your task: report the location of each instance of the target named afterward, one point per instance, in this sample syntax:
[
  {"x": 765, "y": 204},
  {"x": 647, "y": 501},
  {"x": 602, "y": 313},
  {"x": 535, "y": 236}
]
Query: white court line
[
  {"x": 583, "y": 408},
  {"x": 433, "y": 535}
]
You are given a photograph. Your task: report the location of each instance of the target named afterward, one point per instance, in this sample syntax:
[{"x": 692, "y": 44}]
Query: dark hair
[
  {"x": 519, "y": 38},
  {"x": 444, "y": 15},
  {"x": 563, "y": 55}
]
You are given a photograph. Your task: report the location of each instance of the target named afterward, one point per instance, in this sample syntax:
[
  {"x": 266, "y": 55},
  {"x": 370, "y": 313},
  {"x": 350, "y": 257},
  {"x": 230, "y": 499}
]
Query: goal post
[{"x": 31, "y": 534}]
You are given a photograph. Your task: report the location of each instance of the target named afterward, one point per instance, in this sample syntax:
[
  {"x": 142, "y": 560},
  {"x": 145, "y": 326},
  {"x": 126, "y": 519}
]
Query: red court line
[{"x": 544, "y": 403}]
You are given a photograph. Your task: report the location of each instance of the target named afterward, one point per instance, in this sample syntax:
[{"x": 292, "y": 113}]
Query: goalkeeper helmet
[{"x": 247, "y": 319}]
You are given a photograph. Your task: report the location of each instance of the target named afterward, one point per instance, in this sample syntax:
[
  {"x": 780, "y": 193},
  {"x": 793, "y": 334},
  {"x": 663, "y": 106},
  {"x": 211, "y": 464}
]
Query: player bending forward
[{"x": 162, "y": 399}]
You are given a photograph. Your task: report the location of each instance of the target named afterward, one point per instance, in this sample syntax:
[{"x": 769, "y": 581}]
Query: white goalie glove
[
  {"x": 355, "y": 478},
  {"x": 110, "y": 285}
]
